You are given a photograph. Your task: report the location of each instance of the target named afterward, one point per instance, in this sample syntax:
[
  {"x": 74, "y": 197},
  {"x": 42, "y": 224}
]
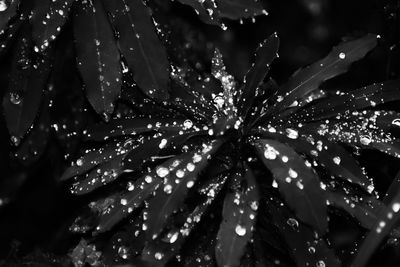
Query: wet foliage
[{"x": 170, "y": 152}]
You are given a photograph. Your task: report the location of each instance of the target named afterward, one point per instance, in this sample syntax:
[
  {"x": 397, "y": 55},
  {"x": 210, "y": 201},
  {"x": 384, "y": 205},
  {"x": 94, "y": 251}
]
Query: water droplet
[
  {"x": 148, "y": 179},
  {"x": 123, "y": 201},
  {"x": 293, "y": 222},
  {"x": 270, "y": 152},
  {"x": 196, "y": 158},
  {"x": 396, "y": 207},
  {"x": 285, "y": 159},
  {"x": 320, "y": 264},
  {"x": 274, "y": 184},
  {"x": 15, "y": 140},
  {"x": 240, "y": 230},
  {"x": 342, "y": 55},
  {"x": 188, "y": 124},
  {"x": 79, "y": 162},
  {"x": 190, "y": 167},
  {"x": 292, "y": 133},
  {"x": 123, "y": 252},
  {"x": 15, "y": 98},
  {"x": 254, "y": 205},
  {"x": 292, "y": 173},
  {"x": 158, "y": 256},
  {"x": 162, "y": 171},
  {"x": 168, "y": 188},
  {"x": 180, "y": 173},
  {"x": 3, "y": 5},
  {"x": 190, "y": 184},
  {"x": 336, "y": 160},
  {"x": 365, "y": 140},
  {"x": 311, "y": 250},
  {"x": 396, "y": 122},
  {"x": 162, "y": 143}
]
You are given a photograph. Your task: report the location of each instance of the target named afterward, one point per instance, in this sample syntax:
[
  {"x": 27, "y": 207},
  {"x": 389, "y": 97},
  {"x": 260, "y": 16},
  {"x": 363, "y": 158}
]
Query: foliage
[{"x": 195, "y": 167}]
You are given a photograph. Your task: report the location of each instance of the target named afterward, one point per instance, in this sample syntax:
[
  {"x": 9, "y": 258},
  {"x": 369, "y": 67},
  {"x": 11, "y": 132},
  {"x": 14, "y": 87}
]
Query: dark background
[{"x": 36, "y": 210}]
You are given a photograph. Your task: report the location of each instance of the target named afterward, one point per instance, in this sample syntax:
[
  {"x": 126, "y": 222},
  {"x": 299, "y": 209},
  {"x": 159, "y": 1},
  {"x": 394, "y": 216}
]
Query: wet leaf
[
  {"x": 330, "y": 155},
  {"x": 207, "y": 10},
  {"x": 179, "y": 175},
  {"x": 387, "y": 219},
  {"x": 239, "y": 214},
  {"x": 98, "y": 57},
  {"x": 140, "y": 46},
  {"x": 297, "y": 182},
  {"x": 94, "y": 157},
  {"x": 305, "y": 247},
  {"x": 135, "y": 126},
  {"x": 173, "y": 241},
  {"x": 365, "y": 210},
  {"x": 48, "y": 17},
  {"x": 28, "y": 80},
  {"x": 240, "y": 9},
  {"x": 266, "y": 52},
  {"x": 336, "y": 63}
]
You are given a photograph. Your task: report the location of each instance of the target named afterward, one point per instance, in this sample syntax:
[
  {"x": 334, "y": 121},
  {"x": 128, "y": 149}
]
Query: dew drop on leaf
[
  {"x": 291, "y": 133},
  {"x": 336, "y": 160},
  {"x": 320, "y": 264},
  {"x": 190, "y": 184},
  {"x": 79, "y": 162},
  {"x": 292, "y": 173},
  {"x": 15, "y": 140},
  {"x": 270, "y": 152},
  {"x": 158, "y": 256},
  {"x": 180, "y": 173},
  {"x": 293, "y": 223},
  {"x": 148, "y": 179},
  {"x": 365, "y": 140},
  {"x": 396, "y": 122},
  {"x": 342, "y": 55},
  {"x": 396, "y": 207},
  {"x": 162, "y": 171},
  {"x": 168, "y": 189},
  {"x": 240, "y": 230},
  {"x": 190, "y": 167},
  {"x": 3, "y": 5},
  {"x": 188, "y": 124},
  {"x": 123, "y": 252},
  {"x": 15, "y": 98}
]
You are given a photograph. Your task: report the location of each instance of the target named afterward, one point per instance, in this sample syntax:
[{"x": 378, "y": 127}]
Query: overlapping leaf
[
  {"x": 297, "y": 182},
  {"x": 98, "y": 57},
  {"x": 140, "y": 46},
  {"x": 239, "y": 216}
]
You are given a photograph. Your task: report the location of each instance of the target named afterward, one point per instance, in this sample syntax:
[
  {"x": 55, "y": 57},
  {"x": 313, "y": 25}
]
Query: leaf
[
  {"x": 384, "y": 224},
  {"x": 365, "y": 210},
  {"x": 207, "y": 10},
  {"x": 337, "y": 62},
  {"x": 173, "y": 241},
  {"x": 239, "y": 213},
  {"x": 98, "y": 57},
  {"x": 297, "y": 182},
  {"x": 140, "y": 46},
  {"x": 332, "y": 156},
  {"x": 179, "y": 175},
  {"x": 135, "y": 126},
  {"x": 238, "y": 9},
  {"x": 365, "y": 97},
  {"x": 48, "y": 17},
  {"x": 28, "y": 79},
  {"x": 266, "y": 52},
  {"x": 128, "y": 202},
  {"x": 305, "y": 247},
  {"x": 94, "y": 157},
  {"x": 8, "y": 10}
]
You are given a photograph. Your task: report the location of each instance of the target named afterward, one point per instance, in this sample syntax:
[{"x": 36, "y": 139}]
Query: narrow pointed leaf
[
  {"x": 240, "y": 9},
  {"x": 173, "y": 241},
  {"x": 387, "y": 219},
  {"x": 305, "y": 248},
  {"x": 366, "y": 97},
  {"x": 134, "y": 126},
  {"x": 140, "y": 46},
  {"x": 331, "y": 155},
  {"x": 94, "y": 157},
  {"x": 238, "y": 219},
  {"x": 266, "y": 52},
  {"x": 98, "y": 57},
  {"x": 179, "y": 176},
  {"x": 28, "y": 79},
  {"x": 336, "y": 63},
  {"x": 297, "y": 182},
  {"x": 365, "y": 210},
  {"x": 48, "y": 17}
]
